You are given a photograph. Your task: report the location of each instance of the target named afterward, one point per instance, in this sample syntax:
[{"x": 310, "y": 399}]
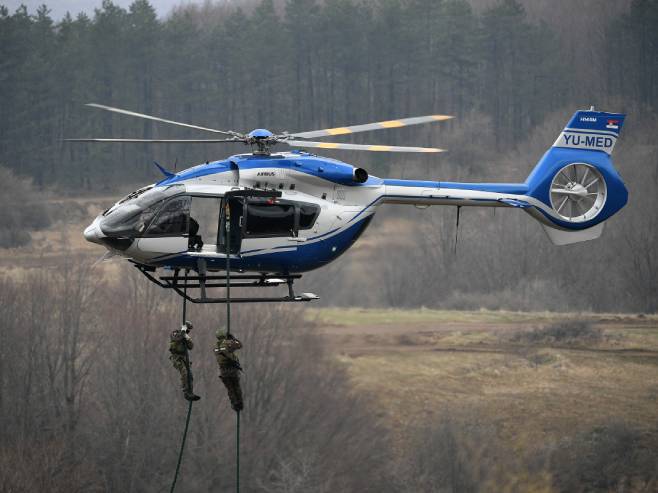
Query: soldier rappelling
[
  {"x": 180, "y": 343},
  {"x": 229, "y": 367}
]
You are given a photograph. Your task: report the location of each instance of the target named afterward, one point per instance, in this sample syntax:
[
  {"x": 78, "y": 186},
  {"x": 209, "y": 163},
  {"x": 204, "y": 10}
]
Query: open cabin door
[
  {"x": 204, "y": 223},
  {"x": 236, "y": 207}
]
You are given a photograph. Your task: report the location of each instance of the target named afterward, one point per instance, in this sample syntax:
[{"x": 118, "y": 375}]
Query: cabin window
[
  {"x": 265, "y": 219},
  {"x": 172, "y": 220},
  {"x": 307, "y": 215}
]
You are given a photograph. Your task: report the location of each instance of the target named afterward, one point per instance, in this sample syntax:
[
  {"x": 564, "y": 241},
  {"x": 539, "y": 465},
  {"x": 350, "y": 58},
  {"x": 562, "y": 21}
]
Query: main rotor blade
[
  {"x": 403, "y": 122},
  {"x": 359, "y": 147},
  {"x": 161, "y": 120},
  {"x": 156, "y": 141}
]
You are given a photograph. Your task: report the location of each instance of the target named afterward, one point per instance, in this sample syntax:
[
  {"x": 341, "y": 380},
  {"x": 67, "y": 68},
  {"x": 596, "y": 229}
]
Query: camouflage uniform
[
  {"x": 179, "y": 345},
  {"x": 229, "y": 368}
]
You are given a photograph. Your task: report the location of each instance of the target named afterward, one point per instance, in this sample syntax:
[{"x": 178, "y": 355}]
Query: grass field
[{"x": 423, "y": 365}]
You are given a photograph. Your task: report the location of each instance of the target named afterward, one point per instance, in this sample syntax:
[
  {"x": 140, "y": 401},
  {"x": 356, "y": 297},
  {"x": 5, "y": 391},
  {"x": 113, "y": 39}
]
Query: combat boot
[{"x": 191, "y": 396}]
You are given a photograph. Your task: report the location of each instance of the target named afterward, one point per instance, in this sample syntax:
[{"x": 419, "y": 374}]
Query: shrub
[
  {"x": 564, "y": 333},
  {"x": 19, "y": 211},
  {"x": 610, "y": 457}
]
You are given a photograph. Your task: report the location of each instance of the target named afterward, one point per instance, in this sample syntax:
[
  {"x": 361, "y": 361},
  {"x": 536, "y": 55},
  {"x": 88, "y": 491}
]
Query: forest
[{"x": 305, "y": 64}]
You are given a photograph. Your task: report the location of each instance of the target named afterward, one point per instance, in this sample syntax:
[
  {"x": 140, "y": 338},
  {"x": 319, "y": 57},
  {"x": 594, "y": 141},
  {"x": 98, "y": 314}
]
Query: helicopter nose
[{"x": 93, "y": 232}]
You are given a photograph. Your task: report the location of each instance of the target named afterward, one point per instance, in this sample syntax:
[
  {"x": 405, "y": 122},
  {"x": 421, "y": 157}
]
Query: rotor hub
[
  {"x": 579, "y": 191},
  {"x": 260, "y": 133}
]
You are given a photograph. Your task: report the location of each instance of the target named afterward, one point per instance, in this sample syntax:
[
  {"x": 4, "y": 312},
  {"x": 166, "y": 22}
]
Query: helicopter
[{"x": 264, "y": 218}]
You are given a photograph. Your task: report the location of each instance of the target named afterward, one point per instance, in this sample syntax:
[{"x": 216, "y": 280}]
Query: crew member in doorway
[
  {"x": 180, "y": 344},
  {"x": 195, "y": 241},
  {"x": 229, "y": 367}
]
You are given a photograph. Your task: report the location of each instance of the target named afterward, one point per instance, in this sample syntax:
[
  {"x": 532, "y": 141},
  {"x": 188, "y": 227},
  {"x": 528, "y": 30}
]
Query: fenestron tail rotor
[
  {"x": 263, "y": 140},
  {"x": 578, "y": 192}
]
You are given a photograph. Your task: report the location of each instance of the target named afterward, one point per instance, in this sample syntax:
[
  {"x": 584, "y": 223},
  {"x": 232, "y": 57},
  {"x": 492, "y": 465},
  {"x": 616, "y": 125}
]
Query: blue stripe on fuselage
[{"x": 302, "y": 259}]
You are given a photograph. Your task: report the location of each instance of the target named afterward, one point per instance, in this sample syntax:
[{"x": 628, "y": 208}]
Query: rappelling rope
[
  {"x": 227, "y": 222},
  {"x": 237, "y": 455},
  {"x": 227, "y": 215},
  {"x": 189, "y": 407},
  {"x": 182, "y": 446}
]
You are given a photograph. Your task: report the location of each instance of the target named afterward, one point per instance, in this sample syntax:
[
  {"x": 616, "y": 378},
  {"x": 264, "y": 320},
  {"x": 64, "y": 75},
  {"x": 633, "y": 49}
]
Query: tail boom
[
  {"x": 572, "y": 190},
  {"x": 453, "y": 193}
]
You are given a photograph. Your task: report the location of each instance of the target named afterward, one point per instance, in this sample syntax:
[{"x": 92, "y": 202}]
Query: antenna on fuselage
[{"x": 459, "y": 207}]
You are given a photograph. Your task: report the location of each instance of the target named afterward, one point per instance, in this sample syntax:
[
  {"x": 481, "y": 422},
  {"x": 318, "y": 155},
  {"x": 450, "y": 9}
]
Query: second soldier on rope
[
  {"x": 229, "y": 367},
  {"x": 180, "y": 343}
]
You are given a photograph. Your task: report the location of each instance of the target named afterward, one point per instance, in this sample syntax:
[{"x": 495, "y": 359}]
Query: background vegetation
[{"x": 89, "y": 401}]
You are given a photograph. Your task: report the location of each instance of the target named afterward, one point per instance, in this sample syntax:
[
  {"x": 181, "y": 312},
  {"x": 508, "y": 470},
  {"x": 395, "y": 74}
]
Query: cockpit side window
[
  {"x": 308, "y": 213},
  {"x": 173, "y": 219},
  {"x": 128, "y": 221},
  {"x": 131, "y": 216}
]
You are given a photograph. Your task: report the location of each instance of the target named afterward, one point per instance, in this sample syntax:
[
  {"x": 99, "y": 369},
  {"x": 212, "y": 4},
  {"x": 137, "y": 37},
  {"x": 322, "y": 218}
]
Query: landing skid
[{"x": 182, "y": 282}]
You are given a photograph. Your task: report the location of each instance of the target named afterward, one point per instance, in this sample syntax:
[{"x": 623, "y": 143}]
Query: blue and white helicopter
[{"x": 270, "y": 216}]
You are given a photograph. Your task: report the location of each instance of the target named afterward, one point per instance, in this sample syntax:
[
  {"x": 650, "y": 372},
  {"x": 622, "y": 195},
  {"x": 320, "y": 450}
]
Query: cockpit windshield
[
  {"x": 135, "y": 194},
  {"x": 132, "y": 214}
]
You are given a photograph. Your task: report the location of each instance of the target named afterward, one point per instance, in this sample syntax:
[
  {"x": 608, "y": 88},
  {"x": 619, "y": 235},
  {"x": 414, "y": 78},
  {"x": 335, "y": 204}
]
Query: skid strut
[{"x": 183, "y": 283}]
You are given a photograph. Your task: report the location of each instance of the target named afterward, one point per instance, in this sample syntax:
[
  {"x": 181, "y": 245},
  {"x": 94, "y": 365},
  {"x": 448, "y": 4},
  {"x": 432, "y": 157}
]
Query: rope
[
  {"x": 227, "y": 215},
  {"x": 182, "y": 446},
  {"x": 237, "y": 454},
  {"x": 185, "y": 297},
  {"x": 189, "y": 407},
  {"x": 227, "y": 222}
]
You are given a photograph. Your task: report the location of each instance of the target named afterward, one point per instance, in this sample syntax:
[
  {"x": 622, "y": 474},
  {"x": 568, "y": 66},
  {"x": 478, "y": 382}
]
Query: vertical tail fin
[
  {"x": 592, "y": 131},
  {"x": 575, "y": 181}
]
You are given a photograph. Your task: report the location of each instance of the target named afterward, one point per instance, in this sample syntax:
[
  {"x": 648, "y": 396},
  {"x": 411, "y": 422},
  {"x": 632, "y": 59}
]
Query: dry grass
[
  {"x": 423, "y": 364},
  {"x": 368, "y": 316}
]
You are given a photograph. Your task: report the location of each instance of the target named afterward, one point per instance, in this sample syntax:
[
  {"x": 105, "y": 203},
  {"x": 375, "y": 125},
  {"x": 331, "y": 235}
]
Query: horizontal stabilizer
[{"x": 561, "y": 237}]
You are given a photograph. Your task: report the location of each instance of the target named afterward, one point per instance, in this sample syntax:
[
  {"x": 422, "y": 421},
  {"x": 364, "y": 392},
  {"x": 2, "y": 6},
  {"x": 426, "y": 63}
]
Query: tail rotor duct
[{"x": 578, "y": 192}]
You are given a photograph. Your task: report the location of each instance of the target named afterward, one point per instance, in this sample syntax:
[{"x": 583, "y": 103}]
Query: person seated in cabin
[{"x": 195, "y": 241}]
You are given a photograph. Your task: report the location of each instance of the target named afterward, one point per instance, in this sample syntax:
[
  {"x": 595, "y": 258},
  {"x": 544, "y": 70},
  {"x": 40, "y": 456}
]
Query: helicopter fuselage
[{"x": 323, "y": 207}]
